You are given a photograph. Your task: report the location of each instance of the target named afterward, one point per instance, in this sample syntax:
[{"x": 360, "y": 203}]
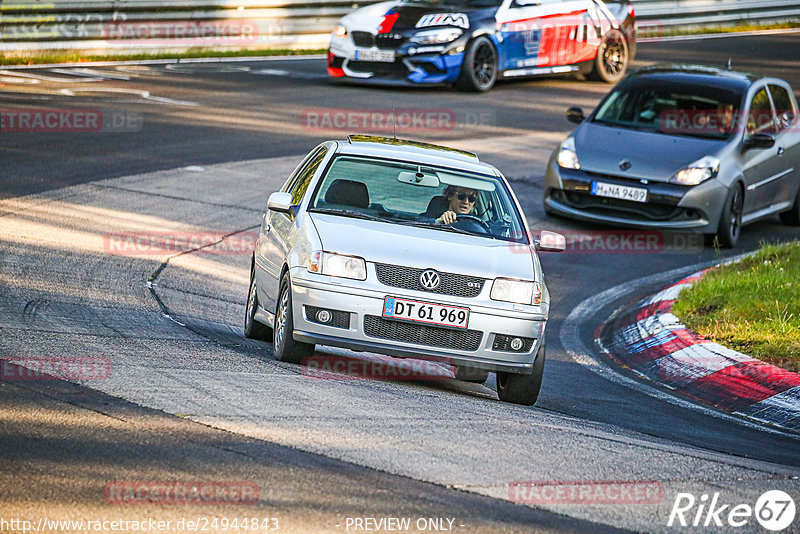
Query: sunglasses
[{"x": 471, "y": 198}]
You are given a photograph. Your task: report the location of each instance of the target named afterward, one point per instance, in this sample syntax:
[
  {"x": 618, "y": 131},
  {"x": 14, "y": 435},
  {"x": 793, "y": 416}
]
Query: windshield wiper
[
  {"x": 446, "y": 227},
  {"x": 349, "y": 213}
]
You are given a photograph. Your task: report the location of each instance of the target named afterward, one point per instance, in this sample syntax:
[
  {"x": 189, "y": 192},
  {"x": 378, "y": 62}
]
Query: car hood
[
  {"x": 410, "y": 15},
  {"x": 652, "y": 156},
  {"x": 424, "y": 247}
]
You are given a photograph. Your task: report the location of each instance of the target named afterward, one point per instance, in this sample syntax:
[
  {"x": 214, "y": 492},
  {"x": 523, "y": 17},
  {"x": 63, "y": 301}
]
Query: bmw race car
[{"x": 473, "y": 43}]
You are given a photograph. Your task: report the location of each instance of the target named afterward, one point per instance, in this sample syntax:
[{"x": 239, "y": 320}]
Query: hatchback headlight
[
  {"x": 440, "y": 36},
  {"x": 699, "y": 171},
  {"x": 519, "y": 291},
  {"x": 567, "y": 157},
  {"x": 337, "y": 265},
  {"x": 340, "y": 32}
]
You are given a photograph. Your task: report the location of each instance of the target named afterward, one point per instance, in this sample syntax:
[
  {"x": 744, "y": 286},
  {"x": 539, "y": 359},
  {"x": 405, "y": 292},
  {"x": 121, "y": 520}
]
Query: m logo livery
[{"x": 444, "y": 19}]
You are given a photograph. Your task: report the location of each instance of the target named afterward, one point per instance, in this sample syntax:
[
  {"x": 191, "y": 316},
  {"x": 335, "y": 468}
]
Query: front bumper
[
  {"x": 669, "y": 206},
  {"x": 365, "y": 305}
]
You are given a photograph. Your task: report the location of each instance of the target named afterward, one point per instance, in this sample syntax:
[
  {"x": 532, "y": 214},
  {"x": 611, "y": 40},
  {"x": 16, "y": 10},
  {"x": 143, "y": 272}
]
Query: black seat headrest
[{"x": 348, "y": 193}]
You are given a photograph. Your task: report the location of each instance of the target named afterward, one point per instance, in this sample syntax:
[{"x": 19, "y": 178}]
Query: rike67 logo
[{"x": 774, "y": 511}]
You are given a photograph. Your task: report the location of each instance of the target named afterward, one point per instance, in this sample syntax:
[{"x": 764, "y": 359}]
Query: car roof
[
  {"x": 416, "y": 151},
  {"x": 701, "y": 74}
]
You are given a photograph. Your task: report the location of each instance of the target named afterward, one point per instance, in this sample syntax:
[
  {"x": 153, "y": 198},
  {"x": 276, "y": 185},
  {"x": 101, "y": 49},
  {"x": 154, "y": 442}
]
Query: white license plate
[
  {"x": 382, "y": 56},
  {"x": 623, "y": 192},
  {"x": 425, "y": 312}
]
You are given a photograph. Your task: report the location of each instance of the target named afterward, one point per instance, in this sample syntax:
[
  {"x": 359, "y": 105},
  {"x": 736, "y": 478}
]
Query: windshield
[
  {"x": 404, "y": 193},
  {"x": 675, "y": 109}
]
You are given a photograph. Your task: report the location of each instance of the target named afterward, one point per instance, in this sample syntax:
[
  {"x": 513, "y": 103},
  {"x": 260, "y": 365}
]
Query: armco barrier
[{"x": 131, "y": 26}]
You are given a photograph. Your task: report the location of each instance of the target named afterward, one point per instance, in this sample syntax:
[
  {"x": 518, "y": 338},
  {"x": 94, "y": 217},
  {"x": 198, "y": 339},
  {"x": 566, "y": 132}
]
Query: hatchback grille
[
  {"x": 457, "y": 285},
  {"x": 466, "y": 340}
]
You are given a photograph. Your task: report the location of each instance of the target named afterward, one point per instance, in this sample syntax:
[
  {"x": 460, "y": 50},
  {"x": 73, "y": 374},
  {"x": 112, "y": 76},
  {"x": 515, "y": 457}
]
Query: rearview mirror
[
  {"x": 551, "y": 242},
  {"x": 418, "y": 178},
  {"x": 758, "y": 140},
  {"x": 280, "y": 202},
  {"x": 575, "y": 115}
]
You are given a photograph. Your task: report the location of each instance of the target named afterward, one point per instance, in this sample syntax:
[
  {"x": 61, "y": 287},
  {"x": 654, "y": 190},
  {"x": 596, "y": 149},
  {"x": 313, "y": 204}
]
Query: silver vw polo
[{"x": 355, "y": 251}]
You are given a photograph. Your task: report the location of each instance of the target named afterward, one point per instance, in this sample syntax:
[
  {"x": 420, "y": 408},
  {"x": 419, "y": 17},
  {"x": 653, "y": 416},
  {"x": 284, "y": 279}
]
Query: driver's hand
[{"x": 448, "y": 217}]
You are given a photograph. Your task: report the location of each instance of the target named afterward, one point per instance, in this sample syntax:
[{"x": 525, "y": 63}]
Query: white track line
[
  {"x": 170, "y": 61},
  {"x": 8, "y": 72},
  {"x": 143, "y": 94}
]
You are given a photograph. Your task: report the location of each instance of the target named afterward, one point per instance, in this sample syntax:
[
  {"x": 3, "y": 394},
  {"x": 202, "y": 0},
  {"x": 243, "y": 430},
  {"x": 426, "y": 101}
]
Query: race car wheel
[
  {"x": 285, "y": 347},
  {"x": 730, "y": 224},
  {"x": 522, "y": 389},
  {"x": 479, "y": 68},
  {"x": 612, "y": 58},
  {"x": 792, "y": 217},
  {"x": 252, "y": 328}
]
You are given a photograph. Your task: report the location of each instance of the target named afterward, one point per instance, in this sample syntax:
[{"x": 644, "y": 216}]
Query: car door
[
  {"x": 536, "y": 34},
  {"x": 276, "y": 228},
  {"x": 784, "y": 186},
  {"x": 759, "y": 165}
]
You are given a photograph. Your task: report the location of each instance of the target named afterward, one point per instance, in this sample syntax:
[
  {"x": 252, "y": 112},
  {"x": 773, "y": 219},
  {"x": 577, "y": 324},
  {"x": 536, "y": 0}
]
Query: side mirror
[
  {"x": 575, "y": 115},
  {"x": 551, "y": 242},
  {"x": 280, "y": 202},
  {"x": 758, "y": 140}
]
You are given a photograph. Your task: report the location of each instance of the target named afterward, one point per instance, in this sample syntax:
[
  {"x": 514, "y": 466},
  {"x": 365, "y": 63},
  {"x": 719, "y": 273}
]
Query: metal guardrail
[{"x": 130, "y": 26}]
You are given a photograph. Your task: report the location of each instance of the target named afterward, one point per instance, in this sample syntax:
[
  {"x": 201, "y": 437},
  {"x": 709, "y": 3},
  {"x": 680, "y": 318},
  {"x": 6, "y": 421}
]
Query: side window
[
  {"x": 760, "y": 118},
  {"x": 300, "y": 184},
  {"x": 784, "y": 108}
]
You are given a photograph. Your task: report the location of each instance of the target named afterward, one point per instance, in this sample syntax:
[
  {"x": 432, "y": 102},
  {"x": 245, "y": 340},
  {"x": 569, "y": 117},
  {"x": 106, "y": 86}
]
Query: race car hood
[
  {"x": 424, "y": 248},
  {"x": 404, "y": 16},
  {"x": 652, "y": 156}
]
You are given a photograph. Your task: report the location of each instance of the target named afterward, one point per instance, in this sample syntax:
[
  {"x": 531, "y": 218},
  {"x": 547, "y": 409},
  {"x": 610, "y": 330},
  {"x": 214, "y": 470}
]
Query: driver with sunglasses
[{"x": 462, "y": 202}]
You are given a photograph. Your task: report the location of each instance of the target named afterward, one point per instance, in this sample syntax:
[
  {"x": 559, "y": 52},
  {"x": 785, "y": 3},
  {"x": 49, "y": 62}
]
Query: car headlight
[
  {"x": 567, "y": 157},
  {"x": 440, "y": 36},
  {"x": 340, "y": 32},
  {"x": 509, "y": 290},
  {"x": 337, "y": 265},
  {"x": 699, "y": 171}
]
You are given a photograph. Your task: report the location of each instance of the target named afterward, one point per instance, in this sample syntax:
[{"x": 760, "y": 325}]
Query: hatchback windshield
[
  {"x": 677, "y": 109},
  {"x": 405, "y": 193}
]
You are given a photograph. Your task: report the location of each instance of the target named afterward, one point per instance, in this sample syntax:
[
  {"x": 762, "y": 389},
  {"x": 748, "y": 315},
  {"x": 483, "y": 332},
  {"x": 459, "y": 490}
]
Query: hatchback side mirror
[
  {"x": 551, "y": 242},
  {"x": 575, "y": 115},
  {"x": 759, "y": 140},
  {"x": 280, "y": 202}
]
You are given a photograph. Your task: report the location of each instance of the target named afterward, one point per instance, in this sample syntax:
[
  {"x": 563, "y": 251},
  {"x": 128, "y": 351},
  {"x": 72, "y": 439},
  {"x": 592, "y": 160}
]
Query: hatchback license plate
[
  {"x": 425, "y": 312},
  {"x": 636, "y": 194},
  {"x": 381, "y": 56}
]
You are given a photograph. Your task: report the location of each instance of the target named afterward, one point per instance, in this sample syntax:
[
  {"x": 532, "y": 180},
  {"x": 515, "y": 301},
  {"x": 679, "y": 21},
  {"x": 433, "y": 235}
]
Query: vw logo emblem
[
  {"x": 429, "y": 279},
  {"x": 624, "y": 165}
]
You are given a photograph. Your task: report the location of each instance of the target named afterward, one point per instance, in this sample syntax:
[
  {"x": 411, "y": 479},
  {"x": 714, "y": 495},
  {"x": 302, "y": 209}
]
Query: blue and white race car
[{"x": 473, "y": 43}]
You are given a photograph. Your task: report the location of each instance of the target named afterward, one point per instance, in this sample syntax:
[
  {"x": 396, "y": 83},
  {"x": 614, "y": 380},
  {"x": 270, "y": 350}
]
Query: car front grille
[
  {"x": 457, "y": 285},
  {"x": 466, "y": 340},
  {"x": 364, "y": 39},
  {"x": 389, "y": 41},
  {"x": 644, "y": 211},
  {"x": 375, "y": 67}
]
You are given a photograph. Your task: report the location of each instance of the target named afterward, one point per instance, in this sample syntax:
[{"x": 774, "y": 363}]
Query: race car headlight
[
  {"x": 440, "y": 36},
  {"x": 699, "y": 171},
  {"x": 340, "y": 32},
  {"x": 337, "y": 265},
  {"x": 567, "y": 157},
  {"x": 509, "y": 290}
]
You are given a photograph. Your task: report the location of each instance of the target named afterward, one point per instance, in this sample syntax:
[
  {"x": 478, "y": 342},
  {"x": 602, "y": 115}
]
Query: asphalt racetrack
[{"x": 195, "y": 148}]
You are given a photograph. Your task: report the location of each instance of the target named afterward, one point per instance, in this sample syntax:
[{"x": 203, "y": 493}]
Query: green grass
[
  {"x": 752, "y": 306},
  {"x": 76, "y": 57},
  {"x": 655, "y": 31}
]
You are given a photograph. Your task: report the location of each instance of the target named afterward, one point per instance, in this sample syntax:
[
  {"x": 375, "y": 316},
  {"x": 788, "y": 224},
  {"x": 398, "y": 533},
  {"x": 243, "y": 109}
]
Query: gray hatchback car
[
  {"x": 681, "y": 147},
  {"x": 404, "y": 249}
]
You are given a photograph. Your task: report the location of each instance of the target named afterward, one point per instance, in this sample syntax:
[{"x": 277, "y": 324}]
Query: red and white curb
[{"x": 648, "y": 339}]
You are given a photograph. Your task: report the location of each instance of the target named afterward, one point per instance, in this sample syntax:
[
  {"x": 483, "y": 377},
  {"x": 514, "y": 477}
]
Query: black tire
[
  {"x": 792, "y": 217},
  {"x": 479, "y": 68},
  {"x": 285, "y": 347},
  {"x": 252, "y": 328},
  {"x": 612, "y": 58},
  {"x": 522, "y": 389},
  {"x": 470, "y": 374},
  {"x": 730, "y": 223}
]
